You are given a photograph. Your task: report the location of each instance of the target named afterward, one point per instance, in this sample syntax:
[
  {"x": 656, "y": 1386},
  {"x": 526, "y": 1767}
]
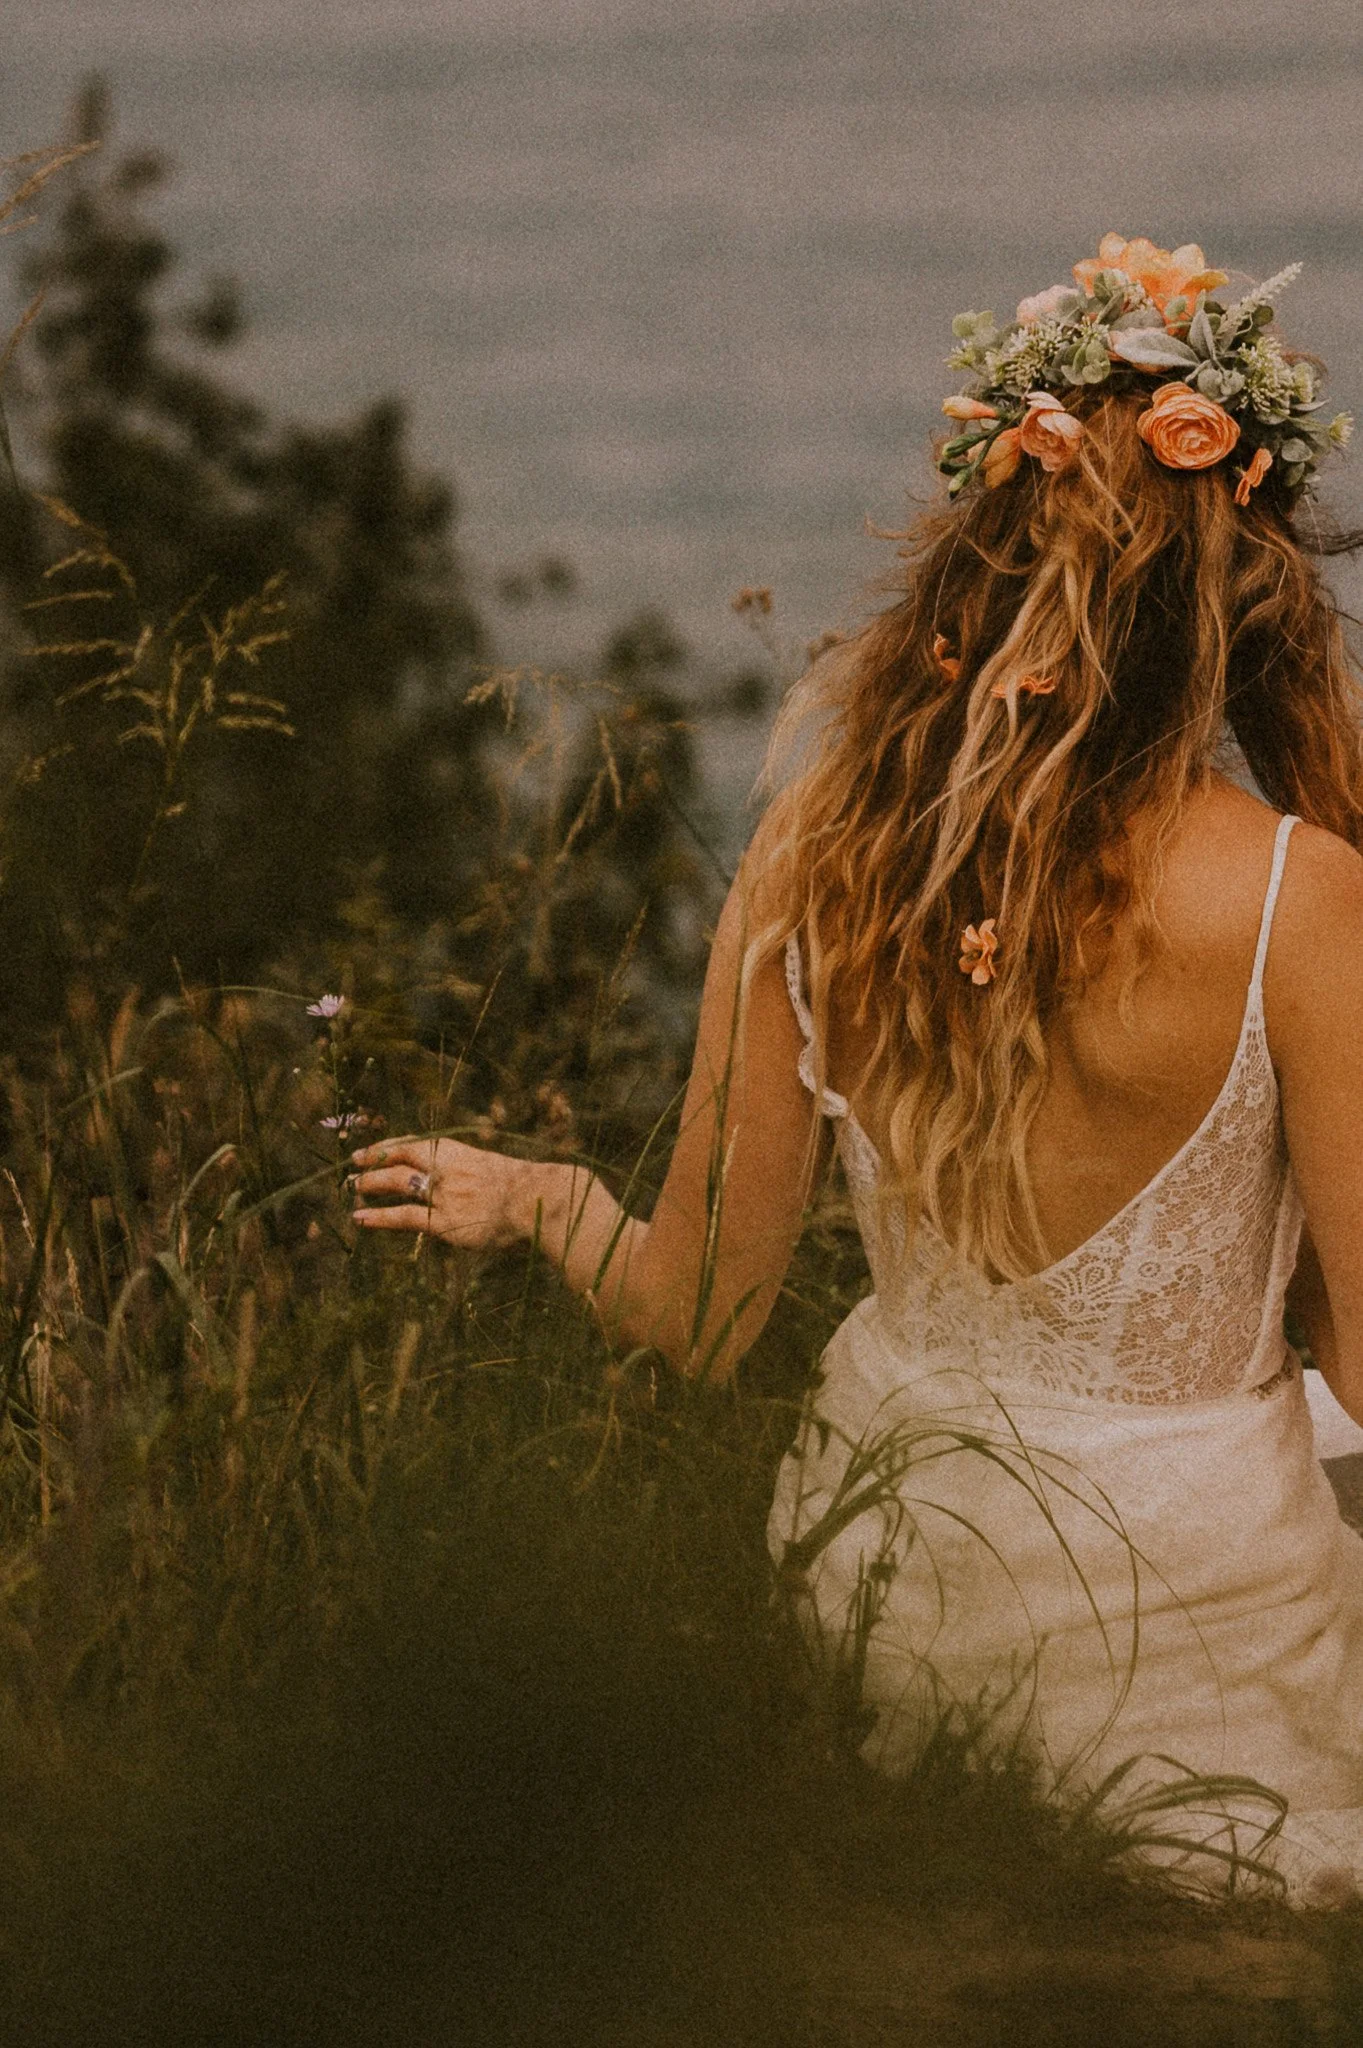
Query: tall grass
[{"x": 383, "y": 1657}]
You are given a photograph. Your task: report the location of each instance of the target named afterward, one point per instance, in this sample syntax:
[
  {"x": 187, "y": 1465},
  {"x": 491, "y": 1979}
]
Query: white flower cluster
[
  {"x": 1263, "y": 294},
  {"x": 1026, "y": 358},
  {"x": 1272, "y": 384}
]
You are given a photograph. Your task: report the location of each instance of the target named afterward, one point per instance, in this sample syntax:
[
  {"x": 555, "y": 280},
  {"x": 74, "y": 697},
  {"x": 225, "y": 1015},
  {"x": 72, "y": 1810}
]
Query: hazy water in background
[{"x": 668, "y": 286}]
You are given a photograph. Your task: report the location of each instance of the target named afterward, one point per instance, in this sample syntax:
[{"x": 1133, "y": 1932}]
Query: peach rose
[
  {"x": 1002, "y": 456},
  {"x": 1259, "y": 465},
  {"x": 968, "y": 409},
  {"x": 1184, "y": 430},
  {"x": 1048, "y": 431},
  {"x": 1164, "y": 273}
]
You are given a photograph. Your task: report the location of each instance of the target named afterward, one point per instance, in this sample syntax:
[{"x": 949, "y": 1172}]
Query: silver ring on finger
[{"x": 419, "y": 1184}]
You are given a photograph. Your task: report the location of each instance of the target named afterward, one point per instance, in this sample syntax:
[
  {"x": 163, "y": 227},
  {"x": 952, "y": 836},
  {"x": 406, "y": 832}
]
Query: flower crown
[{"x": 1133, "y": 311}]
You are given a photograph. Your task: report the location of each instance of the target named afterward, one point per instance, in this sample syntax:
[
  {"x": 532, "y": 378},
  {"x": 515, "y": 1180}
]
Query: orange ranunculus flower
[
  {"x": 968, "y": 409},
  {"x": 949, "y": 663},
  {"x": 1259, "y": 465},
  {"x": 977, "y": 952},
  {"x": 1184, "y": 430},
  {"x": 1165, "y": 273},
  {"x": 1002, "y": 456},
  {"x": 1049, "y": 431}
]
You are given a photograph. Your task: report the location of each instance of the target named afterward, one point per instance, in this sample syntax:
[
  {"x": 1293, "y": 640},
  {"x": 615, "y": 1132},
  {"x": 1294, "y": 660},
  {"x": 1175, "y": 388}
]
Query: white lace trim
[{"x": 1178, "y": 1297}]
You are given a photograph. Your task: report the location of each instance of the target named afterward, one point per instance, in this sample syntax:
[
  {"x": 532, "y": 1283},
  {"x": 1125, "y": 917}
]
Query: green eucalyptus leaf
[
  {"x": 1295, "y": 450},
  {"x": 1201, "y": 336},
  {"x": 1150, "y": 350}
]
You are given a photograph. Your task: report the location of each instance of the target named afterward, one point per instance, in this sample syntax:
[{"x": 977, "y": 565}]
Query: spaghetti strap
[
  {"x": 1256, "y": 984},
  {"x": 795, "y": 982},
  {"x": 830, "y": 1103}
]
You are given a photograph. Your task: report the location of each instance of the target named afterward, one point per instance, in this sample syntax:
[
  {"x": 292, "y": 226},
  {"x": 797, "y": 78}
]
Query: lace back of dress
[{"x": 1178, "y": 1297}]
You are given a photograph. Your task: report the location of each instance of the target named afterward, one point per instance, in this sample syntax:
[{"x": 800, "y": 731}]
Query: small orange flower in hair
[
  {"x": 1028, "y": 686},
  {"x": 948, "y": 663},
  {"x": 1259, "y": 465},
  {"x": 977, "y": 952}
]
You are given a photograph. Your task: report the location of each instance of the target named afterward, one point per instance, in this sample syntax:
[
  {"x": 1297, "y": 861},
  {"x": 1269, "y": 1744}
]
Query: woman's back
[{"x": 1134, "y": 1067}]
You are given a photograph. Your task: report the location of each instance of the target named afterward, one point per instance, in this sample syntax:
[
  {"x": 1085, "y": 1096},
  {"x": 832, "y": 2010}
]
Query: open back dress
[{"x": 1082, "y": 1515}]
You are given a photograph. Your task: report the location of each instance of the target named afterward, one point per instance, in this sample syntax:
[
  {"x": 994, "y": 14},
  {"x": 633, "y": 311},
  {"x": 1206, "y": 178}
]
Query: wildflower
[
  {"x": 326, "y": 1006},
  {"x": 1250, "y": 478},
  {"x": 1049, "y": 432},
  {"x": 978, "y": 948},
  {"x": 1341, "y": 429},
  {"x": 751, "y": 600},
  {"x": 348, "y": 1120},
  {"x": 1184, "y": 430}
]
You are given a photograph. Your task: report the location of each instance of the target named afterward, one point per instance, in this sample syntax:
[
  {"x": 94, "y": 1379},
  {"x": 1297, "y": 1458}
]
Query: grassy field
[{"x": 383, "y": 1660}]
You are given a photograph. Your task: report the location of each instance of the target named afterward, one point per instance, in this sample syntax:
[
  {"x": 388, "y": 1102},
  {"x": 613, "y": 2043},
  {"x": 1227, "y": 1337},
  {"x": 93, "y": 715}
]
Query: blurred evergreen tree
[{"x": 205, "y": 497}]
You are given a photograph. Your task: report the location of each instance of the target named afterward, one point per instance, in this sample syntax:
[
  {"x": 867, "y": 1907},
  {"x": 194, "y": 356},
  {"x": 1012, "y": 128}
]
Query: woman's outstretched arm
[{"x": 699, "y": 1279}]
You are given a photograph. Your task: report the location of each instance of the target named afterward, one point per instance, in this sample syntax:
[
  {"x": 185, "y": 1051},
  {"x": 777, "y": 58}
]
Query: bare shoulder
[
  {"x": 1214, "y": 875},
  {"x": 1314, "y": 969},
  {"x": 1322, "y": 893},
  {"x": 1322, "y": 869}
]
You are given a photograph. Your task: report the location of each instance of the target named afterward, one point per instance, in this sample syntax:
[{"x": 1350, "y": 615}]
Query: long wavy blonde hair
[{"x": 1162, "y": 610}]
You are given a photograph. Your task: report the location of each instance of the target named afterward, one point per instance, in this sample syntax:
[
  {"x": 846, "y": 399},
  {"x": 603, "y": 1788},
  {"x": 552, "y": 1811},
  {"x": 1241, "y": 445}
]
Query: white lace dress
[{"x": 1084, "y": 1512}]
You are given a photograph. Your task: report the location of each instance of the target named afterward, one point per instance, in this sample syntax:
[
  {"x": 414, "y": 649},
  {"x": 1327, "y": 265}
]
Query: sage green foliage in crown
[{"x": 1112, "y": 332}]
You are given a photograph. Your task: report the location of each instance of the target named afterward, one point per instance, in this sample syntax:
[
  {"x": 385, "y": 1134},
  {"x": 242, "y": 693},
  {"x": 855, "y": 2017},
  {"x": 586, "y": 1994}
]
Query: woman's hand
[{"x": 476, "y": 1200}]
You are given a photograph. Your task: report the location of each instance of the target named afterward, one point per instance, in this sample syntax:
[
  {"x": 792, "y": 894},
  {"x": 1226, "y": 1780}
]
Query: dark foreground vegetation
[{"x": 381, "y": 1658}]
